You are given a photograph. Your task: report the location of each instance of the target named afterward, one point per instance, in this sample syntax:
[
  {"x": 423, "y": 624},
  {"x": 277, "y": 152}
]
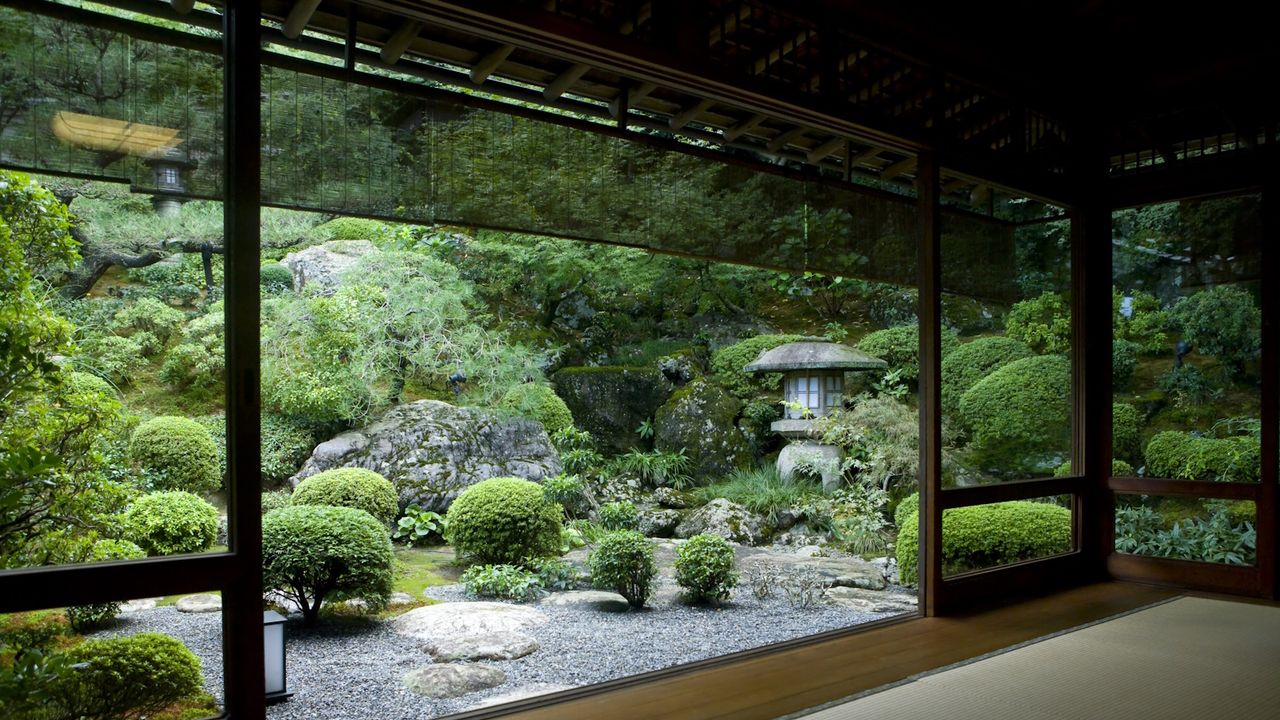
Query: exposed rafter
[
  {"x": 862, "y": 158},
  {"x": 689, "y": 114},
  {"x": 820, "y": 152},
  {"x": 564, "y": 81},
  {"x": 641, "y": 16},
  {"x": 490, "y": 62},
  {"x": 400, "y": 41},
  {"x": 299, "y": 15},
  {"x": 901, "y": 167},
  {"x": 728, "y": 25},
  {"x": 784, "y": 138},
  {"x": 763, "y": 62},
  {"x": 732, "y": 134}
]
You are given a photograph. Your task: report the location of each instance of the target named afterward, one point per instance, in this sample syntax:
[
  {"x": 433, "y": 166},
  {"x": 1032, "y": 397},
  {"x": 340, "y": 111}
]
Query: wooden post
[
  {"x": 929, "y": 220},
  {"x": 1268, "y": 518}
]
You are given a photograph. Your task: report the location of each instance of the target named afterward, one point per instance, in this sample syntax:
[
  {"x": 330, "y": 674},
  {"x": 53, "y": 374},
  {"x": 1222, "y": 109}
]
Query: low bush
[
  {"x": 126, "y": 677},
  {"x": 505, "y": 582},
  {"x": 1124, "y": 360},
  {"x": 171, "y": 523},
  {"x": 350, "y": 487},
  {"x": 624, "y": 562},
  {"x": 34, "y": 630},
  {"x": 313, "y": 553},
  {"x": 910, "y": 506},
  {"x": 1143, "y": 324},
  {"x": 1223, "y": 321},
  {"x": 973, "y": 361},
  {"x": 656, "y": 468},
  {"x": 705, "y": 568},
  {"x": 178, "y": 452},
  {"x": 150, "y": 315},
  {"x": 111, "y": 357},
  {"x": 554, "y": 574},
  {"x": 1187, "y": 386},
  {"x": 1182, "y": 456},
  {"x": 539, "y": 402},
  {"x": 285, "y": 447},
  {"x": 275, "y": 278},
  {"x": 1043, "y": 323},
  {"x": 351, "y": 228},
  {"x": 1119, "y": 468},
  {"x": 503, "y": 521},
  {"x": 1126, "y": 425},
  {"x": 900, "y": 347},
  {"x": 88, "y": 617},
  {"x": 620, "y": 516},
  {"x": 568, "y": 491},
  {"x": 1018, "y": 414},
  {"x": 983, "y": 536},
  {"x": 728, "y": 361},
  {"x": 194, "y": 366},
  {"x": 1219, "y": 537}
]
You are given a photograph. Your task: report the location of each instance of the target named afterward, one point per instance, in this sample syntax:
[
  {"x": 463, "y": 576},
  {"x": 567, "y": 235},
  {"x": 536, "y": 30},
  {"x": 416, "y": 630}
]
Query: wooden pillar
[
  {"x": 1268, "y": 512},
  {"x": 929, "y": 268},
  {"x": 242, "y": 596}
]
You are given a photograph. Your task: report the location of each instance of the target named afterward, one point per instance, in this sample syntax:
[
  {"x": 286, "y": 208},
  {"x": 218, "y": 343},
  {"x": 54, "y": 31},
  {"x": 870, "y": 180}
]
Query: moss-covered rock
[
  {"x": 699, "y": 420},
  {"x": 611, "y": 402}
]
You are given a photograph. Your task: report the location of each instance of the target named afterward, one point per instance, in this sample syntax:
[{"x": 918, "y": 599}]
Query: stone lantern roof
[{"x": 814, "y": 354}]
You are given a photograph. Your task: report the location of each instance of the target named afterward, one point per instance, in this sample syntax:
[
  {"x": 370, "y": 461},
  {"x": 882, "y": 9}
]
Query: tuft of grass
[{"x": 761, "y": 490}]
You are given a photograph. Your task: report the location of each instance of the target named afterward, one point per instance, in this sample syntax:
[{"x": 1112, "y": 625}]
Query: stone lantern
[
  {"x": 813, "y": 385},
  {"x": 167, "y": 171}
]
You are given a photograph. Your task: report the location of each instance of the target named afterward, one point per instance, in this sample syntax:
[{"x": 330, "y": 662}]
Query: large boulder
[
  {"x": 611, "y": 402},
  {"x": 321, "y": 266},
  {"x": 699, "y": 420},
  {"x": 727, "y": 519},
  {"x": 434, "y": 622},
  {"x": 432, "y": 451}
]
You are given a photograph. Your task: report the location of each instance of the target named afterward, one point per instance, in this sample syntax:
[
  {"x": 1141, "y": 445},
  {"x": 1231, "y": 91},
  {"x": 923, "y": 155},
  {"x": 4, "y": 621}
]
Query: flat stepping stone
[
  {"x": 598, "y": 599},
  {"x": 870, "y": 601},
  {"x": 400, "y": 598},
  {"x": 452, "y": 680},
  {"x": 456, "y": 619},
  {"x": 506, "y": 645},
  {"x": 202, "y": 603},
  {"x": 129, "y": 606},
  {"x": 524, "y": 692}
]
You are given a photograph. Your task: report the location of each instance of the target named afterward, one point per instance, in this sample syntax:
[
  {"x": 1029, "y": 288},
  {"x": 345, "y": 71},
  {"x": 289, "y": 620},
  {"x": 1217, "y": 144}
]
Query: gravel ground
[{"x": 352, "y": 668}]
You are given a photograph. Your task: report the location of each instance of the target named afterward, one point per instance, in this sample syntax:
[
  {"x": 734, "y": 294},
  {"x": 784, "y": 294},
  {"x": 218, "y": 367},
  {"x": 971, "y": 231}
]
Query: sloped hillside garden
[{"x": 499, "y": 465}]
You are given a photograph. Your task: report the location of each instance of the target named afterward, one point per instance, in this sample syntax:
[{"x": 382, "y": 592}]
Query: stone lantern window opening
[{"x": 812, "y": 393}]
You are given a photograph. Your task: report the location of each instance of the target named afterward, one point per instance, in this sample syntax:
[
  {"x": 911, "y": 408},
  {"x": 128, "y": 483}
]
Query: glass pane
[
  {"x": 1187, "y": 335},
  {"x": 1183, "y": 528},
  {"x": 1006, "y": 368}
]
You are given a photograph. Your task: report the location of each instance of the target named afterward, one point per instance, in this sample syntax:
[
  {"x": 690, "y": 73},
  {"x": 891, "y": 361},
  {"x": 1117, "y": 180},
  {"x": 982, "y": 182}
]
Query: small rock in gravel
[
  {"x": 400, "y": 598},
  {"x": 490, "y": 646},
  {"x": 597, "y": 599},
  {"x": 870, "y": 601},
  {"x": 129, "y": 606},
  {"x": 453, "y": 679},
  {"x": 466, "y": 618},
  {"x": 523, "y": 692},
  {"x": 202, "y": 603}
]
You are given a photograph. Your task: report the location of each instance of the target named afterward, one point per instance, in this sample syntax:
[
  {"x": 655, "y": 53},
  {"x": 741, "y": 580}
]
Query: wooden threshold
[{"x": 768, "y": 686}]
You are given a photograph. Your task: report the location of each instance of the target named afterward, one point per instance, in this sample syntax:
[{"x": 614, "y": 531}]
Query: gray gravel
[{"x": 351, "y": 668}]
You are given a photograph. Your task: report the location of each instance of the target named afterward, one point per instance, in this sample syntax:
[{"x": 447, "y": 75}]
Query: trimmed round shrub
[
  {"x": 350, "y": 487},
  {"x": 985, "y": 536},
  {"x": 910, "y": 506},
  {"x": 171, "y": 523},
  {"x": 351, "y": 228},
  {"x": 86, "y": 383},
  {"x": 973, "y": 361},
  {"x": 275, "y": 278},
  {"x": 728, "y": 361},
  {"x": 1043, "y": 323},
  {"x": 1182, "y": 456},
  {"x": 621, "y": 515},
  {"x": 503, "y": 521},
  {"x": 1126, "y": 424},
  {"x": 900, "y": 347},
  {"x": 88, "y": 617},
  {"x": 624, "y": 562},
  {"x": 538, "y": 402},
  {"x": 133, "y": 676},
  {"x": 1020, "y": 412},
  {"x": 1124, "y": 360},
  {"x": 705, "y": 568},
  {"x": 179, "y": 453},
  {"x": 313, "y": 553},
  {"x": 1223, "y": 321}
]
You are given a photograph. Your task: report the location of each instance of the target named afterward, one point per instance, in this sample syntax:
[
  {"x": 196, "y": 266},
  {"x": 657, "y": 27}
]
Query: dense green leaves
[
  {"x": 1019, "y": 414},
  {"x": 178, "y": 453},
  {"x": 1183, "y": 456},
  {"x": 503, "y": 521},
  {"x": 350, "y": 487},
  {"x": 1223, "y": 321},
  {"x": 171, "y": 523},
  {"x": 973, "y": 361},
  {"x": 983, "y": 536},
  {"x": 705, "y": 568},
  {"x": 900, "y": 347},
  {"x": 539, "y": 402},
  {"x": 623, "y": 562},
  {"x": 728, "y": 363},
  {"x": 122, "y": 677}
]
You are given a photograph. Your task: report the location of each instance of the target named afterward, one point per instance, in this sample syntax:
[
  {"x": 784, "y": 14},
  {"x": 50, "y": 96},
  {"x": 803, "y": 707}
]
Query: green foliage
[
  {"x": 503, "y": 521},
  {"x": 111, "y": 357},
  {"x": 900, "y": 347},
  {"x": 1219, "y": 538},
  {"x": 34, "y": 630},
  {"x": 590, "y": 532},
  {"x": 350, "y": 487},
  {"x": 275, "y": 279},
  {"x": 179, "y": 453},
  {"x": 761, "y": 490},
  {"x": 620, "y": 516},
  {"x": 909, "y": 508},
  {"x": 311, "y": 553},
  {"x": 1183, "y": 456},
  {"x": 657, "y": 468},
  {"x": 705, "y": 568},
  {"x": 552, "y": 574},
  {"x": 1126, "y": 425},
  {"x": 171, "y": 523},
  {"x": 284, "y": 448},
  {"x": 417, "y": 526},
  {"x": 577, "y": 451},
  {"x": 88, "y": 617},
  {"x": 880, "y": 439},
  {"x": 1187, "y": 386},
  {"x": 1018, "y": 415},
  {"x": 728, "y": 361},
  {"x": 539, "y": 402},
  {"x": 568, "y": 491},
  {"x": 1119, "y": 468},
  {"x": 1145, "y": 324},
  {"x": 351, "y": 228},
  {"x": 150, "y": 315},
  {"x": 1223, "y": 321},
  {"x": 1043, "y": 323},
  {"x": 623, "y": 562},
  {"x": 1124, "y": 360},
  {"x": 126, "y": 677},
  {"x": 191, "y": 365},
  {"x": 983, "y": 536},
  {"x": 274, "y": 500},
  {"x": 973, "y": 361},
  {"x": 505, "y": 582}
]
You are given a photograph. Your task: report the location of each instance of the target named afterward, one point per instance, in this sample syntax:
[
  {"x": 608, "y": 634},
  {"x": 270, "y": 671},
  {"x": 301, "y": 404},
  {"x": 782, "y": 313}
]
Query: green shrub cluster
[
  {"x": 284, "y": 448},
  {"x": 313, "y": 553},
  {"x": 1043, "y": 323},
  {"x": 148, "y": 315},
  {"x": 1144, "y": 326},
  {"x": 505, "y": 582},
  {"x": 1126, "y": 425},
  {"x": 538, "y": 402},
  {"x": 900, "y": 347},
  {"x": 275, "y": 278},
  {"x": 178, "y": 452},
  {"x": 503, "y": 521},
  {"x": 34, "y": 630},
  {"x": 983, "y": 536},
  {"x": 171, "y": 523},
  {"x": 705, "y": 568},
  {"x": 1223, "y": 321},
  {"x": 973, "y": 361},
  {"x": 417, "y": 526},
  {"x": 351, "y": 228},
  {"x": 656, "y": 468},
  {"x": 1124, "y": 360},
  {"x": 1187, "y": 386},
  {"x": 113, "y": 358},
  {"x": 274, "y": 500},
  {"x": 623, "y": 562},
  {"x": 728, "y": 361},
  {"x": 1119, "y": 468},
  {"x": 88, "y": 617},
  {"x": 350, "y": 487},
  {"x": 568, "y": 491},
  {"x": 126, "y": 677},
  {"x": 1020, "y": 411},
  {"x": 621, "y": 515},
  {"x": 1222, "y": 537},
  {"x": 1182, "y": 456}
]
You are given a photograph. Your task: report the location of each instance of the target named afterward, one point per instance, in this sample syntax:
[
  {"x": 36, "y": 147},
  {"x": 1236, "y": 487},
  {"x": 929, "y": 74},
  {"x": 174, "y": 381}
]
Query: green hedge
[
  {"x": 538, "y": 402},
  {"x": 973, "y": 361},
  {"x": 900, "y": 347},
  {"x": 1182, "y": 456},
  {"x": 984, "y": 536},
  {"x": 1020, "y": 411},
  {"x": 350, "y": 487},
  {"x": 728, "y": 361},
  {"x": 171, "y": 523},
  {"x": 178, "y": 452},
  {"x": 126, "y": 677},
  {"x": 502, "y": 521}
]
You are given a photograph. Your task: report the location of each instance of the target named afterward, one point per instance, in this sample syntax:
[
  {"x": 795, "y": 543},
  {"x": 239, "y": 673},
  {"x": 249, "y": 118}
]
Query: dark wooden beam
[
  {"x": 1268, "y": 505},
  {"x": 929, "y": 286},
  {"x": 493, "y": 60}
]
